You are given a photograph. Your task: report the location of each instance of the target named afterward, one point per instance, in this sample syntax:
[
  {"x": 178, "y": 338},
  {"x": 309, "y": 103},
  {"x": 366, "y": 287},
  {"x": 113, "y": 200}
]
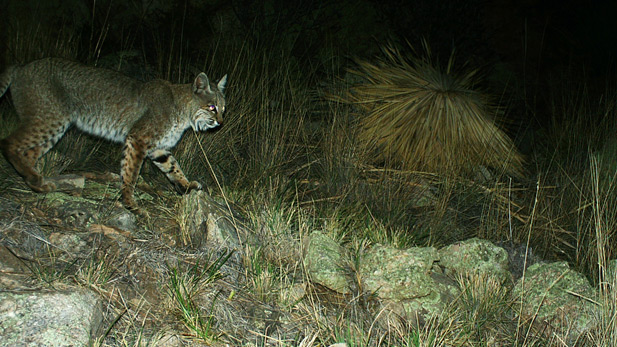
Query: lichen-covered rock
[
  {"x": 122, "y": 219},
  {"x": 407, "y": 277},
  {"x": 324, "y": 261},
  {"x": 475, "y": 256},
  {"x": 398, "y": 273},
  {"x": 82, "y": 212},
  {"x": 207, "y": 225},
  {"x": 71, "y": 242},
  {"x": 72, "y": 210},
  {"x": 69, "y": 318},
  {"x": 556, "y": 299}
]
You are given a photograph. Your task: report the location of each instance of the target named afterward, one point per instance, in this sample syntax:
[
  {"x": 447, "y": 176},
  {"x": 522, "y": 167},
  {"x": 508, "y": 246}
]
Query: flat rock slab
[
  {"x": 67, "y": 318},
  {"x": 68, "y": 183}
]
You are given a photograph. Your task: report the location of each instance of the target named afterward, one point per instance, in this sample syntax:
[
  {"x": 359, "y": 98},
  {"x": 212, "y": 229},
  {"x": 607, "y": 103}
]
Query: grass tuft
[
  {"x": 184, "y": 288},
  {"x": 428, "y": 118}
]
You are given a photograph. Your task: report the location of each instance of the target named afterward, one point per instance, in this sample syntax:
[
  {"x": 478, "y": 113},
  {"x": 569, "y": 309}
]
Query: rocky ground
[{"x": 76, "y": 268}]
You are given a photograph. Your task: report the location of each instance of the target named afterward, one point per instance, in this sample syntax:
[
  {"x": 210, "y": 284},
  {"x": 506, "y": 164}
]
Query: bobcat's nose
[{"x": 219, "y": 120}]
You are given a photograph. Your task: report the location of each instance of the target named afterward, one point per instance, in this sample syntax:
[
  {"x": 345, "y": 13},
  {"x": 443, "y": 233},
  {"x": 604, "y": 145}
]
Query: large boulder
[
  {"x": 475, "y": 256},
  {"x": 408, "y": 279},
  {"x": 68, "y": 318},
  {"x": 555, "y": 300}
]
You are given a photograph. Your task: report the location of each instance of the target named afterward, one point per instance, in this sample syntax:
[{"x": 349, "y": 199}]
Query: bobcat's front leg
[
  {"x": 134, "y": 153},
  {"x": 170, "y": 167}
]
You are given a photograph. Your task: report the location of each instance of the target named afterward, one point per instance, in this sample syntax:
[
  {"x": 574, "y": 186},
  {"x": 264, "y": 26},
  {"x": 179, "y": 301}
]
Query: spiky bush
[{"x": 427, "y": 118}]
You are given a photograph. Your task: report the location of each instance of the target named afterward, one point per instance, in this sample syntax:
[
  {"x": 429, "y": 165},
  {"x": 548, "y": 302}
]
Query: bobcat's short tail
[{"x": 5, "y": 80}]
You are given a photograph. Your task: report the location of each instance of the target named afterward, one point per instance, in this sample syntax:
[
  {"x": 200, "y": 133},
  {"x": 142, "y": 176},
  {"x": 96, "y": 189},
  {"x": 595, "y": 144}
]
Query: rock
[
  {"x": 71, "y": 210},
  {"x": 208, "y": 226},
  {"x": 68, "y": 242},
  {"x": 11, "y": 270},
  {"x": 475, "y": 256},
  {"x": 406, "y": 277},
  {"x": 520, "y": 257},
  {"x": 398, "y": 274},
  {"x": 325, "y": 262},
  {"x": 294, "y": 294},
  {"x": 122, "y": 219},
  {"x": 69, "y": 318},
  {"x": 556, "y": 300},
  {"x": 70, "y": 183},
  {"x": 204, "y": 223},
  {"x": 220, "y": 231},
  {"x": 81, "y": 212},
  {"x": 167, "y": 339}
]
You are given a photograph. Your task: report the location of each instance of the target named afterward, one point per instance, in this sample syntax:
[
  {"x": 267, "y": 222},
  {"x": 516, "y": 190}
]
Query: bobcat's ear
[
  {"x": 222, "y": 83},
  {"x": 201, "y": 84}
]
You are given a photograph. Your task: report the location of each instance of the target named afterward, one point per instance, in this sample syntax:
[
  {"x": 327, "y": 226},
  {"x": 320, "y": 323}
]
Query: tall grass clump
[
  {"x": 423, "y": 117},
  {"x": 184, "y": 289},
  {"x": 426, "y": 207},
  {"x": 263, "y": 138},
  {"x": 576, "y": 177},
  {"x": 603, "y": 224},
  {"x": 39, "y": 29}
]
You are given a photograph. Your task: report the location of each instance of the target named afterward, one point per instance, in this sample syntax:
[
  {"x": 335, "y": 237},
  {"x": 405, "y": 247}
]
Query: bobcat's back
[{"x": 99, "y": 101}]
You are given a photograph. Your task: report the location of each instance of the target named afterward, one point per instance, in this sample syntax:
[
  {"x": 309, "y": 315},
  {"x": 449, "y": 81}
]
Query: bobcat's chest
[{"x": 171, "y": 137}]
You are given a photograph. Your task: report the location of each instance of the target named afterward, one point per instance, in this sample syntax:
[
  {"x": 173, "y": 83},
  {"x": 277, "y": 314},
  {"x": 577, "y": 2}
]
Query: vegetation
[
  {"x": 183, "y": 288},
  {"x": 414, "y": 156},
  {"x": 429, "y": 119}
]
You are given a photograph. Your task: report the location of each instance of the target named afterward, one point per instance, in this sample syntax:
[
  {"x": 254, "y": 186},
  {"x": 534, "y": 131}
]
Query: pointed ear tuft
[
  {"x": 222, "y": 83},
  {"x": 201, "y": 84}
]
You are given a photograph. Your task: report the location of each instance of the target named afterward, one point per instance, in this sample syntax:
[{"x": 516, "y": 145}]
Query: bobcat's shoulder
[{"x": 50, "y": 95}]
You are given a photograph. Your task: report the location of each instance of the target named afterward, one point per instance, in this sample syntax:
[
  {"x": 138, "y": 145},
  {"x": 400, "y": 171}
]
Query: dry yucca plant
[{"x": 428, "y": 118}]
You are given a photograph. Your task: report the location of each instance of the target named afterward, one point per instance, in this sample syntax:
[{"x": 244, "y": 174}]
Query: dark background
[
  {"x": 523, "y": 48},
  {"x": 537, "y": 33}
]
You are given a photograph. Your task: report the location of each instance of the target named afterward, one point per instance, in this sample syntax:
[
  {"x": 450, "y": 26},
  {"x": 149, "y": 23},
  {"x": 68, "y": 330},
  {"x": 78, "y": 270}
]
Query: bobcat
[{"x": 52, "y": 94}]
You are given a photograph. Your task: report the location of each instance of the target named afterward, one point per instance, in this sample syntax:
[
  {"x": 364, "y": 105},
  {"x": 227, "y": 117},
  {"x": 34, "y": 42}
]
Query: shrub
[{"x": 427, "y": 118}]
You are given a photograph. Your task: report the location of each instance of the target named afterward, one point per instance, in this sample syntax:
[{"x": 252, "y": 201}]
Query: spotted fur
[{"x": 50, "y": 95}]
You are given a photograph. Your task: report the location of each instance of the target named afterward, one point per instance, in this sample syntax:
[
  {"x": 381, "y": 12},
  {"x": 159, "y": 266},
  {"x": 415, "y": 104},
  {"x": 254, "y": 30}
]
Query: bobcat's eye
[{"x": 212, "y": 108}]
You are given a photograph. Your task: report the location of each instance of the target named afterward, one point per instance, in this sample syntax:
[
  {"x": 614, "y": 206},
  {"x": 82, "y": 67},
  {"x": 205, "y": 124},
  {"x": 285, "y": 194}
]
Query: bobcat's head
[{"x": 211, "y": 101}]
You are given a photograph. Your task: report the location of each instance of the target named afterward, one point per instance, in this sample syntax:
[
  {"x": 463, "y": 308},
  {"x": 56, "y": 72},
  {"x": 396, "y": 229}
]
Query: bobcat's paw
[
  {"x": 194, "y": 185},
  {"x": 187, "y": 187},
  {"x": 130, "y": 204},
  {"x": 138, "y": 211},
  {"x": 41, "y": 186}
]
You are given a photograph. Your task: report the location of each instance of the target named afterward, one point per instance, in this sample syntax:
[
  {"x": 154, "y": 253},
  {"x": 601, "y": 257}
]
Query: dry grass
[
  {"x": 428, "y": 118},
  {"x": 185, "y": 287},
  {"x": 31, "y": 42},
  {"x": 603, "y": 226}
]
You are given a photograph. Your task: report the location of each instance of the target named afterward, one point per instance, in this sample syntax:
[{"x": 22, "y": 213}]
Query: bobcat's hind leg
[
  {"x": 25, "y": 146},
  {"x": 170, "y": 167},
  {"x": 134, "y": 155}
]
